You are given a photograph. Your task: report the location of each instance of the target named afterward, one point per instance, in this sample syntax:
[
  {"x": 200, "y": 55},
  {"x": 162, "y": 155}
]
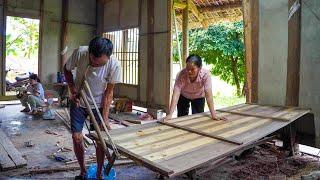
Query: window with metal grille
[{"x": 125, "y": 48}]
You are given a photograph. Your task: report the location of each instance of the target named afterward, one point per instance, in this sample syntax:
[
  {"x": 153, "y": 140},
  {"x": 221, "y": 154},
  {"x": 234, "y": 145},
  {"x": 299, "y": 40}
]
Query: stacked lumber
[
  {"x": 64, "y": 116},
  {"x": 10, "y": 157},
  {"x": 129, "y": 118}
]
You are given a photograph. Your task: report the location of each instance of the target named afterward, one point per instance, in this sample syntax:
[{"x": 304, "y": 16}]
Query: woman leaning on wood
[{"x": 193, "y": 85}]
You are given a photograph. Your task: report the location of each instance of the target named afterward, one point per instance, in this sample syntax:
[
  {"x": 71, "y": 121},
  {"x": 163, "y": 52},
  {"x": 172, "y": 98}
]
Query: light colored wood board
[
  {"x": 231, "y": 126},
  {"x": 257, "y": 115},
  {"x": 13, "y": 153},
  {"x": 183, "y": 152},
  {"x": 263, "y": 131},
  {"x": 199, "y": 132},
  {"x": 132, "y": 129},
  {"x": 191, "y": 145},
  {"x": 5, "y": 162},
  {"x": 161, "y": 136},
  {"x": 207, "y": 114},
  {"x": 196, "y": 125},
  {"x": 154, "y": 138},
  {"x": 241, "y": 107},
  {"x": 250, "y": 136},
  {"x": 159, "y": 132},
  {"x": 141, "y": 132},
  {"x": 218, "y": 130},
  {"x": 183, "y": 163}
]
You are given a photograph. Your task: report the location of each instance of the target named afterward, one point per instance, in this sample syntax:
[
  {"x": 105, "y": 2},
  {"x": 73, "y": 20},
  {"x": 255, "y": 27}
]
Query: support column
[
  {"x": 2, "y": 47},
  {"x": 251, "y": 33},
  {"x": 64, "y": 32},
  {"x": 293, "y": 63},
  {"x": 185, "y": 34}
]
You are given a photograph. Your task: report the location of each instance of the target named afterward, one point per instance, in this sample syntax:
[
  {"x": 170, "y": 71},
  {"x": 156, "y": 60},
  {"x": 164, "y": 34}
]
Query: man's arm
[
  {"x": 106, "y": 102},
  {"x": 69, "y": 78}
]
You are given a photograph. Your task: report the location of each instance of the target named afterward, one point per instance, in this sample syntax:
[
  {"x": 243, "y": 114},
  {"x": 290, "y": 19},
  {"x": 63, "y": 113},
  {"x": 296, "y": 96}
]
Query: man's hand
[{"x": 168, "y": 117}]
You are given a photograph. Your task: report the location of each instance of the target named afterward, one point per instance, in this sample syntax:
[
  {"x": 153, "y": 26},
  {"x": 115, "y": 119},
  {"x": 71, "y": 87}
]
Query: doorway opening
[{"x": 22, "y": 47}]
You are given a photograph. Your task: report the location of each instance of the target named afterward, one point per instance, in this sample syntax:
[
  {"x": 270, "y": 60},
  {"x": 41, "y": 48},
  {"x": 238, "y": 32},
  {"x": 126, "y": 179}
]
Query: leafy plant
[
  {"x": 23, "y": 40},
  {"x": 222, "y": 46}
]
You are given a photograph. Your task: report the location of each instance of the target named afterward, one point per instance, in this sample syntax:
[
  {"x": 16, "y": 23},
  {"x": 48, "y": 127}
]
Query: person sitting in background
[{"x": 33, "y": 97}]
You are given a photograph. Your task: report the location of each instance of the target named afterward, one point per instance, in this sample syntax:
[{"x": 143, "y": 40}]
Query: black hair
[
  {"x": 195, "y": 59},
  {"x": 99, "y": 46},
  {"x": 34, "y": 77}
]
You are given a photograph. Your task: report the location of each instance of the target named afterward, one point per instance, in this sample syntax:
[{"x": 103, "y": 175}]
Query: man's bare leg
[
  {"x": 100, "y": 160},
  {"x": 79, "y": 151}
]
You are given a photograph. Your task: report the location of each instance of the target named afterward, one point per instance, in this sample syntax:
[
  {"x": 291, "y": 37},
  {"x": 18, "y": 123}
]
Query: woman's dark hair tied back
[{"x": 195, "y": 59}]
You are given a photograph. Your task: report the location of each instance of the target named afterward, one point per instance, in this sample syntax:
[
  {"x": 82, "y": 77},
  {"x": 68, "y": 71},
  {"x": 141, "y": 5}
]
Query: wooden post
[
  {"x": 3, "y": 49},
  {"x": 40, "y": 39},
  {"x": 64, "y": 32},
  {"x": 251, "y": 33},
  {"x": 185, "y": 34},
  {"x": 293, "y": 62},
  {"x": 150, "y": 70}
]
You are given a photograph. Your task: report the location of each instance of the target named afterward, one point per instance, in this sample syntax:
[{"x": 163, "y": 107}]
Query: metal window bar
[{"x": 125, "y": 43}]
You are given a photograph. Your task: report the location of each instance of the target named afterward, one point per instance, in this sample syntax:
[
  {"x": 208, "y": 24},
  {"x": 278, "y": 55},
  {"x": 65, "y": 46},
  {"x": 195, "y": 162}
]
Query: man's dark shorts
[{"x": 78, "y": 116}]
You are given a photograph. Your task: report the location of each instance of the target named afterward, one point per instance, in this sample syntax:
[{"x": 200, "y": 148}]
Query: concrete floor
[{"x": 263, "y": 163}]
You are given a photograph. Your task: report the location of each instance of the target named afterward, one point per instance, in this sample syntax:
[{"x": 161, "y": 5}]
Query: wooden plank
[
  {"x": 121, "y": 121},
  {"x": 5, "y": 161},
  {"x": 12, "y": 152},
  {"x": 293, "y": 61},
  {"x": 130, "y": 131},
  {"x": 141, "y": 160},
  {"x": 165, "y": 141},
  {"x": 145, "y": 135},
  {"x": 193, "y": 146},
  {"x": 255, "y": 115},
  {"x": 200, "y": 133}
]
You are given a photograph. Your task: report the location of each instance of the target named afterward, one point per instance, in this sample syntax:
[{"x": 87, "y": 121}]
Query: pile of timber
[
  {"x": 10, "y": 157},
  {"x": 128, "y": 118},
  {"x": 64, "y": 116}
]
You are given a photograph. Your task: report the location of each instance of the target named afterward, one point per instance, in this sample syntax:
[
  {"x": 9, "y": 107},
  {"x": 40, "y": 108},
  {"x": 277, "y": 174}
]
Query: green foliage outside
[
  {"x": 221, "y": 45},
  {"x": 23, "y": 39}
]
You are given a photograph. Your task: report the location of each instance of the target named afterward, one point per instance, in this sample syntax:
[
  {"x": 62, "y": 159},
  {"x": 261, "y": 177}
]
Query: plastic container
[{"x": 92, "y": 170}]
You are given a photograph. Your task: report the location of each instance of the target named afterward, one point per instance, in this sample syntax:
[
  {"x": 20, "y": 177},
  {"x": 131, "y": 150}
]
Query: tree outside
[
  {"x": 222, "y": 48},
  {"x": 22, "y": 45}
]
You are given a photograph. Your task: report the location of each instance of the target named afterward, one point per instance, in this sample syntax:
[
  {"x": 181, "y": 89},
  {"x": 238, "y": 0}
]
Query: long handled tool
[
  {"x": 110, "y": 158},
  {"x": 87, "y": 87}
]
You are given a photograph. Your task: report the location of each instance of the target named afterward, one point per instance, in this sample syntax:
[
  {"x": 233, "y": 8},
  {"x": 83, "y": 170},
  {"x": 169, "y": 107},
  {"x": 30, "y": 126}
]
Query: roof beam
[
  {"x": 179, "y": 4},
  {"x": 193, "y": 8},
  {"x": 221, "y": 7}
]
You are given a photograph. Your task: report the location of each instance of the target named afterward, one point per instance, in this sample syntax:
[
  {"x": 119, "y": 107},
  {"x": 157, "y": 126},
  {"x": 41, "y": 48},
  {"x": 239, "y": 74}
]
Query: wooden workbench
[{"x": 172, "y": 151}]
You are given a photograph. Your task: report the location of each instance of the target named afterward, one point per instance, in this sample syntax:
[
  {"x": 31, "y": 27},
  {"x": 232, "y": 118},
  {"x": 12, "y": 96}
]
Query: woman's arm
[
  {"x": 173, "y": 104},
  {"x": 209, "y": 98}
]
